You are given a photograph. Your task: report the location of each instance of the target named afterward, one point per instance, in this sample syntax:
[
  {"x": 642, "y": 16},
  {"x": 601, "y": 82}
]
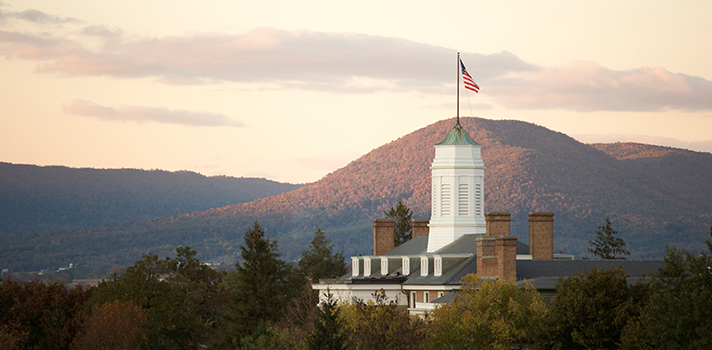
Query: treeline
[
  {"x": 180, "y": 303},
  {"x": 34, "y": 198}
]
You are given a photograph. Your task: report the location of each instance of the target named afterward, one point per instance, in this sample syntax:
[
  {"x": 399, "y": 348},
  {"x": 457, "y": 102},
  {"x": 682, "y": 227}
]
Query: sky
[{"x": 293, "y": 90}]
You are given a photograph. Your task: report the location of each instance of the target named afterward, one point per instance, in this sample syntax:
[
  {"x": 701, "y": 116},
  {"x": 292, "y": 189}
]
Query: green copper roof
[{"x": 458, "y": 136}]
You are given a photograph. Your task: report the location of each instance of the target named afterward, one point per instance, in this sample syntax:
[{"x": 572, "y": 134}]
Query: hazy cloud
[
  {"x": 101, "y": 32},
  {"x": 40, "y": 17},
  {"x": 311, "y": 60},
  {"x": 143, "y": 114},
  {"x": 358, "y": 63},
  {"x": 702, "y": 146},
  {"x": 587, "y": 86}
]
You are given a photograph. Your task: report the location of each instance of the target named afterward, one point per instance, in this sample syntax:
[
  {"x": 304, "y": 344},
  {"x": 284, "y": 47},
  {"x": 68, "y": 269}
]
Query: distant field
[{"x": 88, "y": 282}]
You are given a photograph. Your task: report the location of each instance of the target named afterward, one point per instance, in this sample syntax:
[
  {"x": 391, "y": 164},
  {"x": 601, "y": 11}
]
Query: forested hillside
[
  {"x": 653, "y": 196},
  {"x": 34, "y": 198}
]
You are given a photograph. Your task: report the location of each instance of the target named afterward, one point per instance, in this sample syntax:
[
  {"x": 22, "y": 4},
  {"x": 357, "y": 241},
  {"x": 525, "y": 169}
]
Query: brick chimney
[
  {"x": 541, "y": 235},
  {"x": 486, "y": 256},
  {"x": 420, "y": 227},
  {"x": 497, "y": 251},
  {"x": 383, "y": 236},
  {"x": 497, "y": 223},
  {"x": 506, "y": 247}
]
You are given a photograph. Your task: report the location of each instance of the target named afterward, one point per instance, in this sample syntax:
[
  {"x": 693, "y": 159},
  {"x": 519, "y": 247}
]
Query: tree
[
  {"x": 403, "y": 222},
  {"x": 488, "y": 314},
  {"x": 113, "y": 325},
  {"x": 36, "y": 315},
  {"x": 679, "y": 315},
  {"x": 591, "y": 310},
  {"x": 178, "y": 297},
  {"x": 319, "y": 262},
  {"x": 328, "y": 328},
  {"x": 380, "y": 324},
  {"x": 606, "y": 245},
  {"x": 260, "y": 289}
]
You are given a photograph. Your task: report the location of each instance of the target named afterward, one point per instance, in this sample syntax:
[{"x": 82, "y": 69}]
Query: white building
[{"x": 459, "y": 239}]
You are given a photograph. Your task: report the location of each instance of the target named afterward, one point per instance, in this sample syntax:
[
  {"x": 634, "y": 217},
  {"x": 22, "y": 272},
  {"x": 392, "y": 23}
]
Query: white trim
[
  {"x": 367, "y": 266},
  {"x": 405, "y": 266},
  {"x": 423, "y": 266},
  {"x": 437, "y": 265},
  {"x": 384, "y": 266},
  {"x": 354, "y": 266}
]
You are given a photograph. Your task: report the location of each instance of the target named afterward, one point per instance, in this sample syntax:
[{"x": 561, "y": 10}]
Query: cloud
[
  {"x": 101, "y": 32},
  {"x": 40, "y": 17},
  {"x": 586, "y": 86},
  {"x": 356, "y": 63},
  {"x": 303, "y": 59},
  {"x": 148, "y": 114},
  {"x": 702, "y": 146}
]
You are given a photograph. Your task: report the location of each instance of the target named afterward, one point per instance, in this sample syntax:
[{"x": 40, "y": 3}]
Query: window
[
  {"x": 423, "y": 266},
  {"x": 445, "y": 200},
  {"x": 441, "y": 294},
  {"x": 406, "y": 266},
  {"x": 478, "y": 200},
  {"x": 463, "y": 198},
  {"x": 354, "y": 266},
  {"x": 435, "y": 200},
  {"x": 426, "y": 297},
  {"x": 367, "y": 266},
  {"x": 413, "y": 295},
  {"x": 438, "y": 268}
]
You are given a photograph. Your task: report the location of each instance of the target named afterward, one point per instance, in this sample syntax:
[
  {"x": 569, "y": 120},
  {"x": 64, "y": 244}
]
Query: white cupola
[{"x": 458, "y": 177}]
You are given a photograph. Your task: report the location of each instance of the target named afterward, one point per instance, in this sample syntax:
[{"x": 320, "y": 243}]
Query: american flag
[{"x": 467, "y": 79}]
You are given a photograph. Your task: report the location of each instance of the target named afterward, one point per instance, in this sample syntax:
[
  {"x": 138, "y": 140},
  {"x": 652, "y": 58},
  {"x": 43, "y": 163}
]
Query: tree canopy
[
  {"x": 403, "y": 222},
  {"x": 607, "y": 245},
  {"x": 488, "y": 314},
  {"x": 261, "y": 288},
  {"x": 318, "y": 261}
]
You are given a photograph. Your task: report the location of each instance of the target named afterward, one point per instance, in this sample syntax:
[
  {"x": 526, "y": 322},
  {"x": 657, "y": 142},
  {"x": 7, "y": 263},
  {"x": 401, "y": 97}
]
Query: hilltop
[
  {"x": 40, "y": 198},
  {"x": 653, "y": 195}
]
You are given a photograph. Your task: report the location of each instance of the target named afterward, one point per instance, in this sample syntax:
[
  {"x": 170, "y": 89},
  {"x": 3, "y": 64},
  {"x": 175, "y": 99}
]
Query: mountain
[
  {"x": 34, "y": 198},
  {"x": 653, "y": 196}
]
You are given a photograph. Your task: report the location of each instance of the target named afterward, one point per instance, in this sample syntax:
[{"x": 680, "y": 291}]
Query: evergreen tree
[
  {"x": 328, "y": 328},
  {"x": 260, "y": 289},
  {"x": 606, "y": 245},
  {"x": 403, "y": 222},
  {"x": 679, "y": 315},
  {"x": 319, "y": 262}
]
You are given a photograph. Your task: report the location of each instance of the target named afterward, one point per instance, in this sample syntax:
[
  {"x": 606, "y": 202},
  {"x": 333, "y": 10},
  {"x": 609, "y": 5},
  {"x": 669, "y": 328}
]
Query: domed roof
[{"x": 458, "y": 136}]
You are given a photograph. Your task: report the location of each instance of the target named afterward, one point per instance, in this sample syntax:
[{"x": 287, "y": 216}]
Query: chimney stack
[
  {"x": 420, "y": 227},
  {"x": 506, "y": 247},
  {"x": 486, "y": 256},
  {"x": 383, "y": 236},
  {"x": 497, "y": 223},
  {"x": 497, "y": 251},
  {"x": 541, "y": 235}
]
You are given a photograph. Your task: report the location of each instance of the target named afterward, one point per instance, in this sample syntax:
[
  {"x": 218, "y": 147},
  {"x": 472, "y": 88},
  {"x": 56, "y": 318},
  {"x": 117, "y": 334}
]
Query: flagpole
[{"x": 458, "y": 88}]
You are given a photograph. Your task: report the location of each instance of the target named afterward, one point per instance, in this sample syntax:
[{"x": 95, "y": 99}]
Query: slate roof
[
  {"x": 464, "y": 245},
  {"x": 467, "y": 244},
  {"x": 452, "y": 276},
  {"x": 544, "y": 274},
  {"x": 414, "y": 246}
]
